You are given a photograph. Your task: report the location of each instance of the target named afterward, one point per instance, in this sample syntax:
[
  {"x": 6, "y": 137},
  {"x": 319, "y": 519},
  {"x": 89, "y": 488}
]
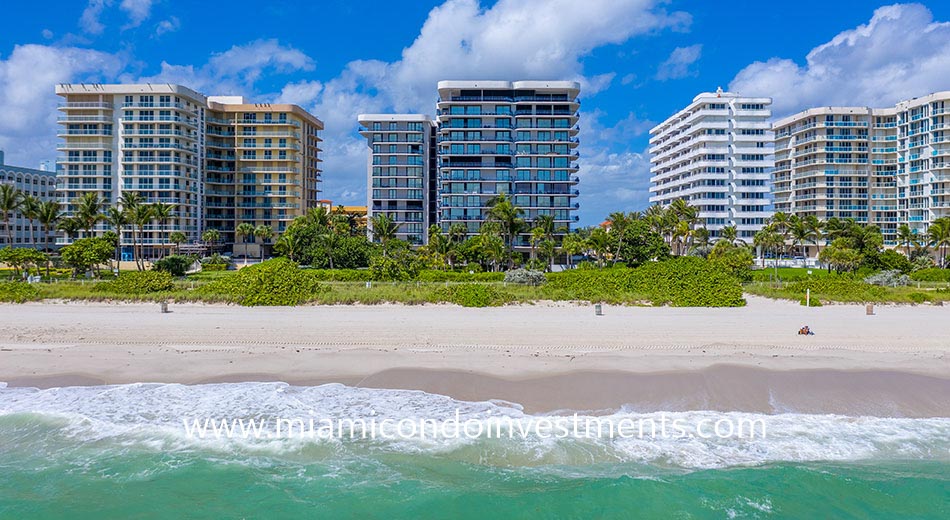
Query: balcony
[{"x": 85, "y": 105}]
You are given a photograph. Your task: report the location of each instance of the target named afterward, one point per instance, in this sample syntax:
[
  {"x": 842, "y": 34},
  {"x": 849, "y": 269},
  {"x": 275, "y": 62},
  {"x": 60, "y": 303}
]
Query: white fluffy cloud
[
  {"x": 234, "y": 71},
  {"x": 172, "y": 24},
  {"x": 679, "y": 62},
  {"x": 138, "y": 11},
  {"x": 523, "y": 39},
  {"x": 27, "y": 98},
  {"x": 899, "y": 54}
]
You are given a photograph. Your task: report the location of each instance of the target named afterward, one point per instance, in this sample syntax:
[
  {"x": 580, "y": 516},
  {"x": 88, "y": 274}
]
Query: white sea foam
[{"x": 149, "y": 417}]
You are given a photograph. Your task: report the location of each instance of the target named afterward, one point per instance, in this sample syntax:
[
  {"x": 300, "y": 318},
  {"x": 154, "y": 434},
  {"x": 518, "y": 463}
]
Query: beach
[
  {"x": 544, "y": 357},
  {"x": 105, "y": 400}
]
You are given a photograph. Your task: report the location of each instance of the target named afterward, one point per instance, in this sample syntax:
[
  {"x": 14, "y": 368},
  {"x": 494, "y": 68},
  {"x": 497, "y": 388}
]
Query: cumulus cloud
[
  {"x": 27, "y": 98},
  {"x": 462, "y": 40},
  {"x": 137, "y": 10},
  {"x": 172, "y": 24},
  {"x": 679, "y": 63},
  {"x": 236, "y": 70},
  {"x": 89, "y": 20},
  {"x": 900, "y": 53}
]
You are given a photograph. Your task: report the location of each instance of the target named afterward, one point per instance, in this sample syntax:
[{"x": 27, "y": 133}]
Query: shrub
[
  {"x": 889, "y": 260},
  {"x": 680, "y": 282},
  {"x": 340, "y": 275},
  {"x": 454, "y": 276},
  {"x": 274, "y": 282},
  {"x": 933, "y": 274},
  {"x": 810, "y": 302},
  {"x": 837, "y": 288},
  {"x": 175, "y": 265},
  {"x": 918, "y": 297},
  {"x": 525, "y": 277},
  {"x": 391, "y": 269},
  {"x": 472, "y": 295},
  {"x": 138, "y": 282},
  {"x": 17, "y": 292},
  {"x": 891, "y": 278},
  {"x": 921, "y": 262}
]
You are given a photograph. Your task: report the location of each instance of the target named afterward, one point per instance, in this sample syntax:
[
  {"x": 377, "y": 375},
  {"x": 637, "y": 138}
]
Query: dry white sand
[{"x": 573, "y": 356}]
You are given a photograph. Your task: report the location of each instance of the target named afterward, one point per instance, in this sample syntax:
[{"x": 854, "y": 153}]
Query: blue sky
[{"x": 638, "y": 61}]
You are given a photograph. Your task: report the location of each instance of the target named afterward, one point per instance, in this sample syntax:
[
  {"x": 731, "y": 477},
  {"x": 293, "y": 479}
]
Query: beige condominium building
[
  {"x": 878, "y": 166},
  {"x": 716, "y": 154},
  {"x": 218, "y": 161}
]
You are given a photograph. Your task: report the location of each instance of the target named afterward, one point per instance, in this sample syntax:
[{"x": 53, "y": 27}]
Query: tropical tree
[
  {"x": 508, "y": 216},
  {"x": 89, "y": 211},
  {"x": 211, "y": 237},
  {"x": 177, "y": 238},
  {"x": 290, "y": 243},
  {"x": 49, "y": 216},
  {"x": 939, "y": 234},
  {"x": 265, "y": 233},
  {"x": 140, "y": 216},
  {"x": 70, "y": 226},
  {"x": 118, "y": 219},
  {"x": 730, "y": 234},
  {"x": 816, "y": 229},
  {"x": 906, "y": 237},
  {"x": 384, "y": 229},
  {"x": 162, "y": 213},
  {"x": 573, "y": 244},
  {"x": 768, "y": 239},
  {"x": 800, "y": 233},
  {"x": 619, "y": 223},
  {"x": 10, "y": 200},
  {"x": 245, "y": 230},
  {"x": 30, "y": 209},
  {"x": 599, "y": 241},
  {"x": 457, "y": 233}
]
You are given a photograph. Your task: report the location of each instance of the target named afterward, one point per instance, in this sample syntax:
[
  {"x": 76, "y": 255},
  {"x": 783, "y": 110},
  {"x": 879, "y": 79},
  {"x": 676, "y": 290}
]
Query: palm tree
[
  {"x": 573, "y": 244},
  {"x": 245, "y": 230},
  {"x": 729, "y": 234},
  {"x": 210, "y": 237},
  {"x": 29, "y": 208},
  {"x": 162, "y": 212},
  {"x": 70, "y": 226},
  {"x": 48, "y": 216},
  {"x": 383, "y": 228},
  {"x": 490, "y": 244},
  {"x": 10, "y": 199},
  {"x": 502, "y": 210},
  {"x": 816, "y": 229},
  {"x": 457, "y": 233},
  {"x": 800, "y": 232},
  {"x": 140, "y": 216},
  {"x": 177, "y": 237},
  {"x": 89, "y": 211},
  {"x": 290, "y": 243},
  {"x": 905, "y": 235},
  {"x": 600, "y": 242},
  {"x": 619, "y": 223},
  {"x": 939, "y": 234},
  {"x": 118, "y": 219},
  {"x": 318, "y": 216},
  {"x": 701, "y": 237},
  {"x": 264, "y": 233}
]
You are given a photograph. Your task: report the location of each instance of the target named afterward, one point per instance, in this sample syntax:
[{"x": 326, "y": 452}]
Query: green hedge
[
  {"x": 473, "y": 295},
  {"x": 933, "y": 274},
  {"x": 838, "y": 288},
  {"x": 274, "y": 282},
  {"x": 453, "y": 276},
  {"x": 138, "y": 282},
  {"x": 680, "y": 282},
  {"x": 340, "y": 275},
  {"x": 17, "y": 292}
]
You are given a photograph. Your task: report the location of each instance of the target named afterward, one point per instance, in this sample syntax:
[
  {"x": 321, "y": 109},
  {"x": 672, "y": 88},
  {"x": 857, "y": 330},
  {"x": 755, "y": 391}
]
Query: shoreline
[{"x": 543, "y": 357}]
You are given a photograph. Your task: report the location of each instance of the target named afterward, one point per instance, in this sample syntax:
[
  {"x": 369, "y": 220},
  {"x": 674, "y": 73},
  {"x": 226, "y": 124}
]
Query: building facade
[
  {"x": 218, "y": 161},
  {"x": 39, "y": 184},
  {"x": 401, "y": 173},
  {"x": 489, "y": 138},
  {"x": 879, "y": 166},
  {"x": 717, "y": 155},
  {"x": 516, "y": 138}
]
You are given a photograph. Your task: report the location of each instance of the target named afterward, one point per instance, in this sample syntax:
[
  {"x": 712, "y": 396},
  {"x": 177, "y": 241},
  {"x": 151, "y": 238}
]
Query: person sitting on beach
[{"x": 805, "y": 331}]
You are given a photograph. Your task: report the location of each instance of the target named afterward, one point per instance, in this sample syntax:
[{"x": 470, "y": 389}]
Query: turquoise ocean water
[{"x": 124, "y": 452}]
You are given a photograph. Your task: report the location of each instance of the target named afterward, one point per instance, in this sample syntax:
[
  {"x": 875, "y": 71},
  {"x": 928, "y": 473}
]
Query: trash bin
[
  {"x": 598, "y": 310},
  {"x": 870, "y": 309}
]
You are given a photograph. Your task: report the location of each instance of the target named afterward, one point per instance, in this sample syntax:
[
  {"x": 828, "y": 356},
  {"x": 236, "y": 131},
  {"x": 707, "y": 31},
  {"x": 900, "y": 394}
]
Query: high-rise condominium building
[
  {"x": 218, "y": 161},
  {"x": 401, "y": 171},
  {"x": 39, "y": 184},
  {"x": 717, "y": 155},
  {"x": 879, "y": 166},
  {"x": 490, "y": 138},
  {"x": 517, "y": 138}
]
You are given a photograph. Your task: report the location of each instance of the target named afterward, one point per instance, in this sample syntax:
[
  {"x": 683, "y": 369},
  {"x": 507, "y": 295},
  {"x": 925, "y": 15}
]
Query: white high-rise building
[
  {"x": 878, "y": 166},
  {"x": 717, "y": 155}
]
